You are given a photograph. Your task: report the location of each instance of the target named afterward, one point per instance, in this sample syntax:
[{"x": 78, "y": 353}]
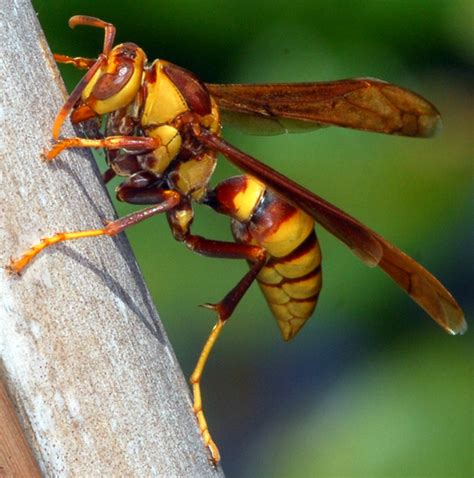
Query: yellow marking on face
[{"x": 164, "y": 102}]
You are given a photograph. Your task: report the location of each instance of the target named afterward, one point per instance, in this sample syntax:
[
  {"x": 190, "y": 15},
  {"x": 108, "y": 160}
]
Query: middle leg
[{"x": 165, "y": 199}]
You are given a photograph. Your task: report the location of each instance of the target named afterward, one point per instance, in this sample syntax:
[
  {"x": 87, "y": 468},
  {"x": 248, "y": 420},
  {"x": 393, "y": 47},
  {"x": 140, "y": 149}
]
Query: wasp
[{"x": 163, "y": 134}]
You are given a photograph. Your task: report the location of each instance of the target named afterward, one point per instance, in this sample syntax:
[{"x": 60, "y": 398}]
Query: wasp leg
[
  {"x": 108, "y": 175},
  {"x": 78, "y": 61},
  {"x": 133, "y": 143},
  {"x": 68, "y": 106},
  {"x": 168, "y": 200},
  {"x": 197, "y": 399},
  {"x": 141, "y": 187},
  {"x": 229, "y": 250},
  {"x": 224, "y": 309},
  {"x": 82, "y": 113},
  {"x": 180, "y": 220},
  {"x": 109, "y": 36}
]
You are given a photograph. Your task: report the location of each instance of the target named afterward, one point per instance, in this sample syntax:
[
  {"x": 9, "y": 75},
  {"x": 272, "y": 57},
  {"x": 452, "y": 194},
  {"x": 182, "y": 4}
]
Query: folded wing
[
  {"x": 364, "y": 103},
  {"x": 372, "y": 248}
]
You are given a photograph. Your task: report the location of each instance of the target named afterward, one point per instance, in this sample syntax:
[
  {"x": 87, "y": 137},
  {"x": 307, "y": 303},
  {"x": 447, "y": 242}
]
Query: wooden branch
[
  {"x": 93, "y": 377},
  {"x": 16, "y": 458}
]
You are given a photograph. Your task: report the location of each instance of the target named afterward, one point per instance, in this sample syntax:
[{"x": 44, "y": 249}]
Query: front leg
[
  {"x": 131, "y": 143},
  {"x": 78, "y": 62}
]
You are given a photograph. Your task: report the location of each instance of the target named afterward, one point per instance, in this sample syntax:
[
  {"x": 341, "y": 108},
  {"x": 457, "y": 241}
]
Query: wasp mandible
[{"x": 163, "y": 134}]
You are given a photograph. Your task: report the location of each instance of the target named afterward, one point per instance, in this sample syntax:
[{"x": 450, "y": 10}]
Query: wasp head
[{"x": 116, "y": 83}]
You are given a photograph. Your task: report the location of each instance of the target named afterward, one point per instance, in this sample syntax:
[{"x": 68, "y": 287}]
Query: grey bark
[{"x": 94, "y": 379}]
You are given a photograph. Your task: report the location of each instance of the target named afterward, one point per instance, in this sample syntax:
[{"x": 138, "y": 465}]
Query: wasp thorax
[{"x": 117, "y": 82}]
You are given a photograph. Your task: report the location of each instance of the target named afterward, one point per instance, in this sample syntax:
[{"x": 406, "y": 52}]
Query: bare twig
[{"x": 97, "y": 386}]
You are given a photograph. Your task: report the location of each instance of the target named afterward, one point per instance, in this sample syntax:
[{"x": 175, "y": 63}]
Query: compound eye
[
  {"x": 111, "y": 83},
  {"x": 116, "y": 84}
]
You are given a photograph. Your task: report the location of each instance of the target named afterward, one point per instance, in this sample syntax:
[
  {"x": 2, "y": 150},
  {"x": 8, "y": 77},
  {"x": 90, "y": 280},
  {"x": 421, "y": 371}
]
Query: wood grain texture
[
  {"x": 16, "y": 458},
  {"x": 84, "y": 356}
]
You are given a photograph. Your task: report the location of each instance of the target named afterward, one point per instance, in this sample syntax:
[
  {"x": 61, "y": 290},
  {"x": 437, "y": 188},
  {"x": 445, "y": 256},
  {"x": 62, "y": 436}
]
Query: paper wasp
[{"x": 163, "y": 134}]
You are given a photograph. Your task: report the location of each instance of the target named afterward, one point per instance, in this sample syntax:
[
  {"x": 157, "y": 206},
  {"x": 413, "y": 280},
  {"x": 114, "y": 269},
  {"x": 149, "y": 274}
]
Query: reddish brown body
[{"x": 163, "y": 135}]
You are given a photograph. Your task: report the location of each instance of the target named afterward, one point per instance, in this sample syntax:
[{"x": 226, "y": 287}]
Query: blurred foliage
[
  {"x": 402, "y": 408},
  {"x": 371, "y": 388}
]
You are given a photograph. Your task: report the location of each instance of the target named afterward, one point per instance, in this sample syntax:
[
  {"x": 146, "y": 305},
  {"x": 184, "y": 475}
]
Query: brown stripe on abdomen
[{"x": 292, "y": 284}]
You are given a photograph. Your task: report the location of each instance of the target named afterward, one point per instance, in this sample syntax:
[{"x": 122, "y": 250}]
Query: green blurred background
[{"x": 371, "y": 387}]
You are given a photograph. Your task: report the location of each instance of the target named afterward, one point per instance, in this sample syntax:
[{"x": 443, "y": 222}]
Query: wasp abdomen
[
  {"x": 291, "y": 278},
  {"x": 292, "y": 284}
]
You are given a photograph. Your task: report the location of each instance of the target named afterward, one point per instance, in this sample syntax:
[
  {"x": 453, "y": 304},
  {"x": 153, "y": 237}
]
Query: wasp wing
[
  {"x": 372, "y": 248},
  {"x": 362, "y": 103}
]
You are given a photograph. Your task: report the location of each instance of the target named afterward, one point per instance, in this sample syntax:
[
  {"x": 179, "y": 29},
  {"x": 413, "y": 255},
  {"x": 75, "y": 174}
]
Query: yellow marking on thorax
[
  {"x": 164, "y": 102},
  {"x": 192, "y": 175},
  {"x": 170, "y": 146},
  {"x": 213, "y": 120}
]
